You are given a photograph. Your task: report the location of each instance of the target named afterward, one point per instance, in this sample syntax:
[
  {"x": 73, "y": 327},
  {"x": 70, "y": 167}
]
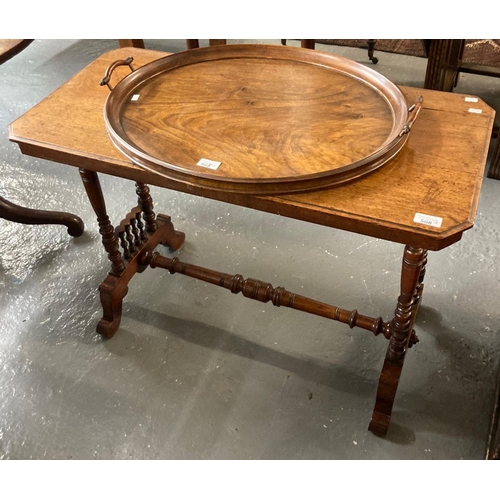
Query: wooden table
[{"x": 438, "y": 173}]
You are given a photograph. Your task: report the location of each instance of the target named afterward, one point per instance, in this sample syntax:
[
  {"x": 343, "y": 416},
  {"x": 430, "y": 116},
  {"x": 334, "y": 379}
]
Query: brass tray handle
[
  {"x": 107, "y": 75},
  {"x": 413, "y": 111}
]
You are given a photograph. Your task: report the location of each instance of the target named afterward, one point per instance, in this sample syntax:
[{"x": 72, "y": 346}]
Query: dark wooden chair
[
  {"x": 15, "y": 213},
  {"x": 444, "y": 66}
]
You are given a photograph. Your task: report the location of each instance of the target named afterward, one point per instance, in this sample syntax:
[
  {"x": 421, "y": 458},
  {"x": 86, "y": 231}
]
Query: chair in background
[
  {"x": 191, "y": 44},
  {"x": 194, "y": 44},
  {"x": 444, "y": 66}
]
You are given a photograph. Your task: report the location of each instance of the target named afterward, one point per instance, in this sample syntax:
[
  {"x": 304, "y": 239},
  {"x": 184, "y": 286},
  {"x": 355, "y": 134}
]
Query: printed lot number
[{"x": 428, "y": 220}]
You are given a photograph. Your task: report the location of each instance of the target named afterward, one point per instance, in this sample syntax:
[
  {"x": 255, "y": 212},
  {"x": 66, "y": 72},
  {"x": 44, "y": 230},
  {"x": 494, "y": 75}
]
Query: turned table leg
[
  {"x": 146, "y": 203},
  {"x": 402, "y": 336},
  {"x": 109, "y": 239},
  {"x": 23, "y": 215}
]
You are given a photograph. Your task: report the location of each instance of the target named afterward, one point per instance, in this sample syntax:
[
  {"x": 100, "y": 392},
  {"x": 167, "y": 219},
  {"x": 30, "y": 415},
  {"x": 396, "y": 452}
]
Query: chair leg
[
  {"x": 308, "y": 44},
  {"x": 15, "y": 213},
  {"x": 213, "y": 42},
  {"x": 131, "y": 43},
  {"x": 371, "y": 48},
  {"x": 195, "y": 44},
  {"x": 494, "y": 170}
]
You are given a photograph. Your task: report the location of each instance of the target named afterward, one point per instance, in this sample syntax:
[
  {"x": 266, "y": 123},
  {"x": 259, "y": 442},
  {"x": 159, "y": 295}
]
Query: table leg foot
[
  {"x": 174, "y": 239},
  {"x": 386, "y": 393},
  {"x": 23, "y": 215},
  {"x": 412, "y": 275},
  {"x": 112, "y": 290}
]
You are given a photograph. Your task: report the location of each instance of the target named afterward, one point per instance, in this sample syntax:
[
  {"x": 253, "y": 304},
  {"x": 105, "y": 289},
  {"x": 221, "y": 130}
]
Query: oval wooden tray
[{"x": 258, "y": 119}]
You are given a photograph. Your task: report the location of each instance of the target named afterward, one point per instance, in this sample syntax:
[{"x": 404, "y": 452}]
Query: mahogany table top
[{"x": 438, "y": 173}]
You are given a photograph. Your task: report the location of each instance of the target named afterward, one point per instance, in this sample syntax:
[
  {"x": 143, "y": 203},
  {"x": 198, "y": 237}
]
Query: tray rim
[{"x": 120, "y": 94}]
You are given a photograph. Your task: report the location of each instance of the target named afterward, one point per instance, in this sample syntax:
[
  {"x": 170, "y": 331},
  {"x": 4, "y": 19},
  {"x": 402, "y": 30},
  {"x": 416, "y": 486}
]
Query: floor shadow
[
  {"x": 450, "y": 404},
  {"x": 439, "y": 410},
  {"x": 399, "y": 434},
  {"x": 213, "y": 338}
]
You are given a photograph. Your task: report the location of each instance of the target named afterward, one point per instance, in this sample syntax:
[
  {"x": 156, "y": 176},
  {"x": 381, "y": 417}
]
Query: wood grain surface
[
  {"x": 439, "y": 171},
  {"x": 261, "y": 119},
  {"x": 272, "y": 119}
]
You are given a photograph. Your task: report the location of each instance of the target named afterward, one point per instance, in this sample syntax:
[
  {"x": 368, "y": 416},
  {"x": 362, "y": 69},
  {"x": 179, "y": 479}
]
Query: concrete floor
[{"x": 196, "y": 373}]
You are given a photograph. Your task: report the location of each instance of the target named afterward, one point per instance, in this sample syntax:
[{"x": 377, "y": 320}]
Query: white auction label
[
  {"x": 428, "y": 220},
  {"x": 471, "y": 99},
  {"x": 475, "y": 110},
  {"x": 212, "y": 165}
]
